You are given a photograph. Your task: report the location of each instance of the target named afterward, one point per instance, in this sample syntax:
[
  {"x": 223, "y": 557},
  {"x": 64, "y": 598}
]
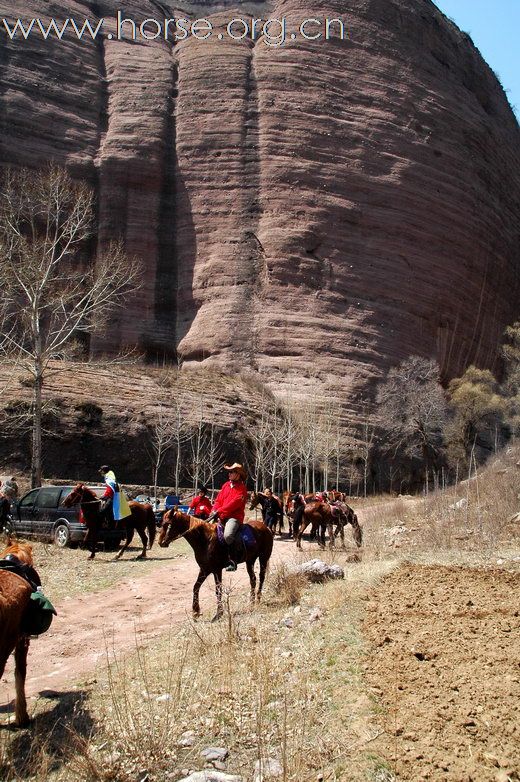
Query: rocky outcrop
[{"x": 316, "y": 211}]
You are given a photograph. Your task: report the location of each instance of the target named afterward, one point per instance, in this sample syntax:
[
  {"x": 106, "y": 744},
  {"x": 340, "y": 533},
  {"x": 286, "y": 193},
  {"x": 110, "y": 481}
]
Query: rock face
[{"x": 316, "y": 211}]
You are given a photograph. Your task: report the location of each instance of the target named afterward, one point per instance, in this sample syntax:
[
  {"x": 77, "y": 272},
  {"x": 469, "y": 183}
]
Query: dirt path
[{"x": 444, "y": 663}]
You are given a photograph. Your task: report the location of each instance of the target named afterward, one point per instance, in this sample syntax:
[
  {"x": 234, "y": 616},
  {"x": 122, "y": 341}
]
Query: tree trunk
[{"x": 36, "y": 460}]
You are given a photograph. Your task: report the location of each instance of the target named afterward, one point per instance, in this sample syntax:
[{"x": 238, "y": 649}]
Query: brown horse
[
  {"x": 15, "y": 594},
  {"x": 212, "y": 556},
  {"x": 141, "y": 519},
  {"x": 319, "y": 515}
]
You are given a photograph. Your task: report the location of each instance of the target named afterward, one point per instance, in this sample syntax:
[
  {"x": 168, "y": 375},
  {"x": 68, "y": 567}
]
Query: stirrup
[{"x": 231, "y": 567}]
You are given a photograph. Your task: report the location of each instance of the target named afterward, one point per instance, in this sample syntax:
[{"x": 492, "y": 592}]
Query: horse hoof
[{"x": 217, "y": 618}]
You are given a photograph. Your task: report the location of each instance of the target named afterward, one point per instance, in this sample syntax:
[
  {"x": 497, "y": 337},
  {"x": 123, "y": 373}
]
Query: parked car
[{"x": 40, "y": 514}]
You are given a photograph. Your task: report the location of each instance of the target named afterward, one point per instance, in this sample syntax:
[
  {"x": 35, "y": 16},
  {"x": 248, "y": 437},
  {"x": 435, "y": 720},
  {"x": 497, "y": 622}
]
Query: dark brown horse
[
  {"x": 270, "y": 519},
  {"x": 211, "y": 555},
  {"x": 343, "y": 514},
  {"x": 141, "y": 519},
  {"x": 15, "y": 594}
]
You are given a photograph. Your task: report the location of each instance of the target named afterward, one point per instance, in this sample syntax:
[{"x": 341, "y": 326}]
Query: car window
[
  {"x": 29, "y": 498},
  {"x": 48, "y": 497}
]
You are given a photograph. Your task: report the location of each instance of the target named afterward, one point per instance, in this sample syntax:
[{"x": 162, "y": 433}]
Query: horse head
[
  {"x": 80, "y": 494},
  {"x": 255, "y": 499},
  {"x": 174, "y": 525}
]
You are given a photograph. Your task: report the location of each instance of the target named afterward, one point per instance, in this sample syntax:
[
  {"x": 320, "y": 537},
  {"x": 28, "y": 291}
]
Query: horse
[
  {"x": 257, "y": 498},
  {"x": 15, "y": 595},
  {"x": 319, "y": 515},
  {"x": 211, "y": 555},
  {"x": 141, "y": 519},
  {"x": 344, "y": 515}
]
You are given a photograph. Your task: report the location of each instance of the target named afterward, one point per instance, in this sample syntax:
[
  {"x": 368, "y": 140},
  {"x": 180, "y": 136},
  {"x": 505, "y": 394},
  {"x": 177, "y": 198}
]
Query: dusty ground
[{"x": 444, "y": 663}]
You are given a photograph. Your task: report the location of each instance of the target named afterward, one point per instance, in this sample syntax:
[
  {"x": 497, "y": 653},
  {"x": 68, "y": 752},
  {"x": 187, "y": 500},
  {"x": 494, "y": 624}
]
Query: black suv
[{"x": 40, "y": 514}]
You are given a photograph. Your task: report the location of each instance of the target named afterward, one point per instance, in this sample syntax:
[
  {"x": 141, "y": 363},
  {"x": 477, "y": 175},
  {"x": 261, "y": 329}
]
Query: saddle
[{"x": 244, "y": 540}]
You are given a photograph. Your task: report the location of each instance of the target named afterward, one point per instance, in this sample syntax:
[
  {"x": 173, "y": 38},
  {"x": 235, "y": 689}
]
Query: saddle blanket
[{"x": 245, "y": 535}]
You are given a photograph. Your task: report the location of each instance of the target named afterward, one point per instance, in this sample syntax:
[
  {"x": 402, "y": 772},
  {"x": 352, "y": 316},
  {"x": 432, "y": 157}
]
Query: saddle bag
[{"x": 38, "y": 615}]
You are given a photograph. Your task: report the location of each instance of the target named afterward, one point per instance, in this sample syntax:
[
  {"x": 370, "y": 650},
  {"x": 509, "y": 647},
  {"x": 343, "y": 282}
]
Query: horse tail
[{"x": 151, "y": 526}]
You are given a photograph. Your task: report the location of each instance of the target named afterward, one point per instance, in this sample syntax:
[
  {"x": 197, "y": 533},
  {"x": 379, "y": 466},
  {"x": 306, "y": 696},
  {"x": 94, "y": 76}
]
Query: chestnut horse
[
  {"x": 211, "y": 555},
  {"x": 141, "y": 519},
  {"x": 15, "y": 594}
]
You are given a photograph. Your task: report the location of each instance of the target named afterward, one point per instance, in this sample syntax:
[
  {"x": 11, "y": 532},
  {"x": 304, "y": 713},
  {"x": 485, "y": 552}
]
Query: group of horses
[
  {"x": 330, "y": 514},
  {"x": 210, "y": 554}
]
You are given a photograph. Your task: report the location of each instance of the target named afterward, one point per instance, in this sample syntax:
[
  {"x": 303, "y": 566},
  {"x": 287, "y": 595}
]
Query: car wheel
[{"x": 62, "y": 535}]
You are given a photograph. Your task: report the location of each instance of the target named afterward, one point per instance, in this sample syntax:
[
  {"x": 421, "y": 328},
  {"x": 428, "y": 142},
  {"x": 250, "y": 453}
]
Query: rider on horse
[
  {"x": 116, "y": 505},
  {"x": 200, "y": 506},
  {"x": 229, "y": 507}
]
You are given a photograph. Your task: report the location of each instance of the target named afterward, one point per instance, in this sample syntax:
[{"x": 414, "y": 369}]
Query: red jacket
[
  {"x": 231, "y": 501},
  {"x": 201, "y": 505}
]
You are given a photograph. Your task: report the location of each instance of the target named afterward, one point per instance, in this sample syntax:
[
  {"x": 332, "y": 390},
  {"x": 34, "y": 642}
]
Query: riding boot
[{"x": 232, "y": 564}]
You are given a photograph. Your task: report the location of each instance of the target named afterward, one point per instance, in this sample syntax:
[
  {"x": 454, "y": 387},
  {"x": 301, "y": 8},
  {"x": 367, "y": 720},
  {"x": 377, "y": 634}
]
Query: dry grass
[
  {"x": 274, "y": 683},
  {"x": 470, "y": 518}
]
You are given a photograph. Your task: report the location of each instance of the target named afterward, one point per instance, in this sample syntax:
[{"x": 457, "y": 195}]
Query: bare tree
[
  {"x": 50, "y": 295},
  {"x": 161, "y": 439},
  {"x": 412, "y": 409}
]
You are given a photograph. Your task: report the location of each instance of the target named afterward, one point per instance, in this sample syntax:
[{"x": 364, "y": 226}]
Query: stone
[
  {"x": 214, "y": 753},
  {"x": 459, "y": 505},
  {"x": 317, "y": 571},
  {"x": 268, "y": 769},
  {"x": 187, "y": 739},
  {"x": 211, "y": 775}
]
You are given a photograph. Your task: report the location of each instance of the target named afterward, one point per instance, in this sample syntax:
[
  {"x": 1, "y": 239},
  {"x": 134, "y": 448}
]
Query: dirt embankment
[{"x": 445, "y": 665}]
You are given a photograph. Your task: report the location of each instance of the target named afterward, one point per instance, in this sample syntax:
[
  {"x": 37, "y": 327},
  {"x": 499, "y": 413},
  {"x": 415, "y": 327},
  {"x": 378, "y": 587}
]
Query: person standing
[
  {"x": 11, "y": 488},
  {"x": 229, "y": 507}
]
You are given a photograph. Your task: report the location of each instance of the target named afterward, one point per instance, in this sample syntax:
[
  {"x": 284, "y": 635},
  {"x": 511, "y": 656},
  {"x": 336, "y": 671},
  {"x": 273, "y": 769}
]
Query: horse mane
[{"x": 22, "y": 551}]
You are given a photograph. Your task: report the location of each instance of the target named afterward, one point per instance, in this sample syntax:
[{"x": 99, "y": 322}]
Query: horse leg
[
  {"x": 144, "y": 540},
  {"x": 319, "y": 529},
  {"x": 91, "y": 538},
  {"x": 217, "y": 575},
  {"x": 196, "y": 589},
  {"x": 303, "y": 526},
  {"x": 330, "y": 530},
  {"x": 341, "y": 530},
  {"x": 20, "y": 658},
  {"x": 250, "y": 565},
  {"x": 129, "y": 537},
  {"x": 263, "y": 570}
]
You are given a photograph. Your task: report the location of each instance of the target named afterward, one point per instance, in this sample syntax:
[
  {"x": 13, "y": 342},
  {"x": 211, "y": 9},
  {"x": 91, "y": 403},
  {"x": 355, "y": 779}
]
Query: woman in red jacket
[{"x": 229, "y": 507}]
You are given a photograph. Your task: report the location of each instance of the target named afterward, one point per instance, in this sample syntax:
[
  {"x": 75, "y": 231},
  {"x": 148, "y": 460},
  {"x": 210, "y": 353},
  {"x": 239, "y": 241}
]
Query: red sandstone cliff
[{"x": 317, "y": 211}]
